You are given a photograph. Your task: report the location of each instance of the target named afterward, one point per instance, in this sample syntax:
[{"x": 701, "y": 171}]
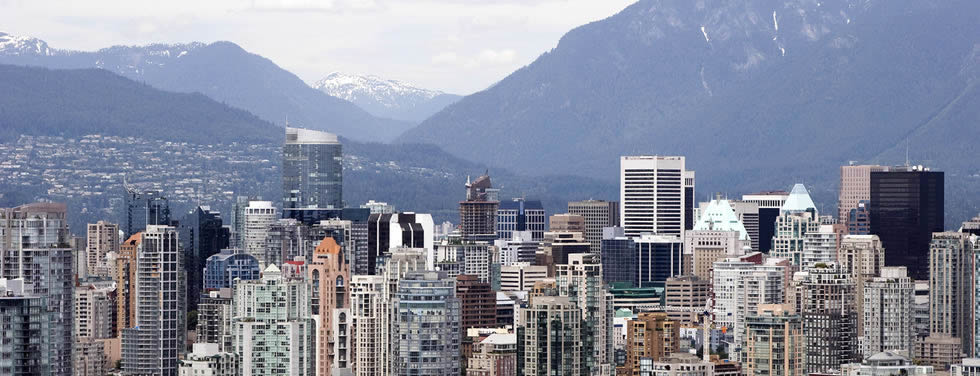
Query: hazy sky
[{"x": 459, "y": 46}]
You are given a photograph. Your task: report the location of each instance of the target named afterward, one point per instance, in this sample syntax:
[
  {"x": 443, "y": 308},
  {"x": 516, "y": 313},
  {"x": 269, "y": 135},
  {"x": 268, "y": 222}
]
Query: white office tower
[
  {"x": 797, "y": 217},
  {"x": 155, "y": 343},
  {"x": 101, "y": 238},
  {"x": 717, "y": 234},
  {"x": 521, "y": 276},
  {"x": 652, "y": 195},
  {"x": 861, "y": 257},
  {"x": 581, "y": 281},
  {"x": 208, "y": 360},
  {"x": 888, "y": 321},
  {"x": 259, "y": 217},
  {"x": 740, "y": 287},
  {"x": 273, "y": 325},
  {"x": 521, "y": 247},
  {"x": 819, "y": 247},
  {"x": 372, "y": 311}
]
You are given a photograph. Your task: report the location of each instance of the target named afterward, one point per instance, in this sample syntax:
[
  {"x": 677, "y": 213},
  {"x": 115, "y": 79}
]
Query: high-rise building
[
  {"x": 102, "y": 238},
  {"x": 367, "y": 313},
  {"x": 214, "y": 319},
  {"x": 201, "y": 236},
  {"x": 259, "y": 217},
  {"x": 968, "y": 367},
  {"x": 388, "y": 231},
  {"x": 479, "y": 302},
  {"x": 274, "y": 331},
  {"x": 519, "y": 248},
  {"x": 478, "y": 213},
  {"x": 774, "y": 342},
  {"x": 567, "y": 223},
  {"x": 427, "y": 325},
  {"x": 653, "y": 195},
  {"x": 312, "y": 170},
  {"x": 769, "y": 204},
  {"x": 887, "y": 311},
  {"x": 858, "y": 220},
  {"x": 519, "y": 214},
  {"x": 557, "y": 245},
  {"x": 238, "y": 220},
  {"x": 95, "y": 308},
  {"x": 689, "y": 201},
  {"x": 549, "y": 338},
  {"x": 145, "y": 208},
  {"x": 972, "y": 226},
  {"x": 797, "y": 217},
  {"x": 34, "y": 246},
  {"x": 125, "y": 278},
  {"x": 819, "y": 247},
  {"x": 657, "y": 259},
  {"x": 855, "y": 187},
  {"x": 222, "y": 269},
  {"x": 207, "y": 359},
  {"x": 476, "y": 259},
  {"x": 495, "y": 355},
  {"x": 906, "y": 208},
  {"x": 521, "y": 276},
  {"x": 581, "y": 281},
  {"x": 740, "y": 286},
  {"x": 862, "y": 257},
  {"x": 686, "y": 297},
  {"x": 618, "y": 258},
  {"x": 379, "y": 207},
  {"x": 951, "y": 307},
  {"x": 154, "y": 345},
  {"x": 717, "y": 234},
  {"x": 829, "y": 319},
  {"x": 650, "y": 335},
  {"x": 598, "y": 215},
  {"x": 680, "y": 364},
  {"x": 26, "y": 348},
  {"x": 329, "y": 275}
]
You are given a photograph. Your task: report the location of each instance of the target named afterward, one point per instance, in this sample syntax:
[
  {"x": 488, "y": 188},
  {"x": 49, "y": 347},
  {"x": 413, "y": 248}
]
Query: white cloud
[
  {"x": 445, "y": 58},
  {"x": 497, "y": 57}
]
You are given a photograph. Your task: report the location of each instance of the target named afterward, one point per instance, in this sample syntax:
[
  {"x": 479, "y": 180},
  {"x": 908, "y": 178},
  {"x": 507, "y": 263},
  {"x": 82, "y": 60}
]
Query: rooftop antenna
[
  {"x": 287, "y": 120},
  {"x": 906, "y": 152}
]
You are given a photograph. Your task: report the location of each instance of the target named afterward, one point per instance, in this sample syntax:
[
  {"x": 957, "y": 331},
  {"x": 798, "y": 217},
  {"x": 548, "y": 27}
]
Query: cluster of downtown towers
[{"x": 763, "y": 285}]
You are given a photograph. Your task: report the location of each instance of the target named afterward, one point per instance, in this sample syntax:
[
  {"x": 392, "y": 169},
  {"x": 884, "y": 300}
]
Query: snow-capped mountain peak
[
  {"x": 19, "y": 45},
  {"x": 384, "y": 97}
]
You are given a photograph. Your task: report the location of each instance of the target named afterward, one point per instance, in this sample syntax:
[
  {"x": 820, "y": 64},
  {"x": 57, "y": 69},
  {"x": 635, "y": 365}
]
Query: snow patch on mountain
[
  {"x": 19, "y": 45},
  {"x": 388, "y": 93}
]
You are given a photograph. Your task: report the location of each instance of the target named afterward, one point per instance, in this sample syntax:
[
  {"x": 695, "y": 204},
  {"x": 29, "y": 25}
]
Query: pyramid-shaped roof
[
  {"x": 798, "y": 201},
  {"x": 719, "y": 216}
]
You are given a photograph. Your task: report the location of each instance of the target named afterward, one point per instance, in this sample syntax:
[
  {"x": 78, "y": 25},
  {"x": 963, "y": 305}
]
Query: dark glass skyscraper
[
  {"x": 145, "y": 208},
  {"x": 201, "y": 235},
  {"x": 906, "y": 208},
  {"x": 312, "y": 170}
]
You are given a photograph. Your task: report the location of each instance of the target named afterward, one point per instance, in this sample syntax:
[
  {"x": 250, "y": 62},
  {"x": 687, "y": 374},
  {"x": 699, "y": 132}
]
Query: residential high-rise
[
  {"x": 951, "y": 283},
  {"x": 312, "y": 170},
  {"x": 819, "y": 246},
  {"x": 829, "y": 319},
  {"x": 156, "y": 341},
  {"x": 238, "y": 220},
  {"x": 740, "y": 286},
  {"x": 367, "y": 313},
  {"x": 653, "y": 196},
  {"x": 222, "y": 269},
  {"x": 214, "y": 319},
  {"x": 95, "y": 308},
  {"x": 581, "y": 281},
  {"x": 388, "y": 231},
  {"x": 208, "y": 360},
  {"x": 887, "y": 311},
  {"x": 329, "y": 274},
  {"x": 906, "y": 208},
  {"x": 650, "y": 335},
  {"x": 102, "y": 238},
  {"x": 478, "y": 302},
  {"x": 855, "y": 187},
  {"x": 495, "y": 355},
  {"x": 769, "y": 204},
  {"x": 774, "y": 342},
  {"x": 861, "y": 257},
  {"x": 427, "y": 325},
  {"x": 34, "y": 246},
  {"x": 598, "y": 215},
  {"x": 519, "y": 214},
  {"x": 477, "y": 259},
  {"x": 797, "y": 217},
  {"x": 972, "y": 226},
  {"x": 478, "y": 213},
  {"x": 201, "y": 236},
  {"x": 26, "y": 348},
  {"x": 125, "y": 278},
  {"x": 557, "y": 245},
  {"x": 549, "y": 338},
  {"x": 259, "y": 217},
  {"x": 274, "y": 331},
  {"x": 145, "y": 208}
]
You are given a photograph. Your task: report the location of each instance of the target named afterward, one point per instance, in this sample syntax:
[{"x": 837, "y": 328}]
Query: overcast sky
[{"x": 459, "y": 46}]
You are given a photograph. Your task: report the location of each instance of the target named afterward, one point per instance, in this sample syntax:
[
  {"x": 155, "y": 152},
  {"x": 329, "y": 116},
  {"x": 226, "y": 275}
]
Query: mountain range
[
  {"x": 757, "y": 94},
  {"x": 385, "y": 98},
  {"x": 222, "y": 71}
]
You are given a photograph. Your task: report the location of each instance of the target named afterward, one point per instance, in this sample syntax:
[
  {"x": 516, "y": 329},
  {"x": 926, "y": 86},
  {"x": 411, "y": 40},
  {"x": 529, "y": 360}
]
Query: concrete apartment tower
[
  {"x": 951, "y": 284},
  {"x": 887, "y": 308},
  {"x": 427, "y": 318},
  {"x": 829, "y": 319},
  {"x": 259, "y": 217},
  {"x": 648, "y": 193},
  {"x": 329, "y": 274},
  {"x": 101, "y": 238},
  {"x": 478, "y": 213},
  {"x": 549, "y": 337},
  {"x": 312, "y": 170},
  {"x": 774, "y": 344},
  {"x": 862, "y": 257}
]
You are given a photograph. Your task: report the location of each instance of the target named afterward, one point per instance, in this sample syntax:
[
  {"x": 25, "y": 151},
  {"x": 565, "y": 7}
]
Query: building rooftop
[
  {"x": 719, "y": 216},
  {"x": 309, "y": 136},
  {"x": 798, "y": 201}
]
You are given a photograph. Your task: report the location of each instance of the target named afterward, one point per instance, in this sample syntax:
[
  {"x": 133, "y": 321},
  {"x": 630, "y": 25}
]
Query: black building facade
[
  {"x": 906, "y": 208},
  {"x": 201, "y": 236}
]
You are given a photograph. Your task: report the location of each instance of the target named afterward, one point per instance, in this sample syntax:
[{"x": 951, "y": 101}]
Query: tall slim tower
[
  {"x": 201, "y": 235},
  {"x": 153, "y": 346},
  {"x": 598, "y": 215},
  {"x": 888, "y": 321},
  {"x": 35, "y": 248},
  {"x": 653, "y": 195},
  {"x": 769, "y": 204},
  {"x": 906, "y": 208},
  {"x": 145, "y": 208},
  {"x": 549, "y": 337},
  {"x": 427, "y": 318},
  {"x": 951, "y": 309},
  {"x": 855, "y": 186},
  {"x": 102, "y": 238},
  {"x": 259, "y": 217},
  {"x": 312, "y": 170},
  {"x": 829, "y": 319},
  {"x": 329, "y": 274},
  {"x": 478, "y": 214}
]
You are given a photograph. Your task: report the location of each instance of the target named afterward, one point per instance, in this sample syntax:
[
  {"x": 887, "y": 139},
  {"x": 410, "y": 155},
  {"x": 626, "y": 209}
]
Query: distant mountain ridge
[
  {"x": 385, "y": 98},
  {"x": 757, "y": 94},
  {"x": 221, "y": 70}
]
